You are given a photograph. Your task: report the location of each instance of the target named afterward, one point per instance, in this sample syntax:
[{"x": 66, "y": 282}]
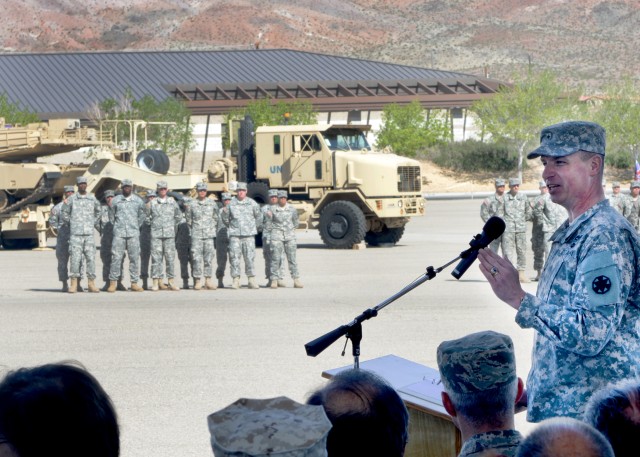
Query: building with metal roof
[{"x": 211, "y": 83}]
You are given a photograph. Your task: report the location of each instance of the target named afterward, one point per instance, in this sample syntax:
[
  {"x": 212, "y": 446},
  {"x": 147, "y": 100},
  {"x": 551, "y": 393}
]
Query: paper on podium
[{"x": 428, "y": 389}]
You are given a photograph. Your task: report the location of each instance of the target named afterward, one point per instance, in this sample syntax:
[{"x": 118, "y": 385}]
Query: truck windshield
[{"x": 346, "y": 140}]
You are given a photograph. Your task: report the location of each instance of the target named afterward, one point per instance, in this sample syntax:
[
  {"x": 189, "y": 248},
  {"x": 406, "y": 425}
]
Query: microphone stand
[{"x": 353, "y": 330}]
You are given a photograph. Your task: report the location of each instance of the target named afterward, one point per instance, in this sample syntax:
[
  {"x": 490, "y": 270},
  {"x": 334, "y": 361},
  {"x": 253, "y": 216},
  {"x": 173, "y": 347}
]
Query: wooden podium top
[{"x": 418, "y": 385}]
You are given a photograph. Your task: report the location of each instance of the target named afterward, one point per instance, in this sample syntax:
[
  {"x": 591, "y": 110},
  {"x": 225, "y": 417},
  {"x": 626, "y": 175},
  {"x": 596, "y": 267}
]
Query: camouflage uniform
[
  {"x": 244, "y": 219},
  {"x": 222, "y": 245},
  {"x": 183, "y": 244},
  {"x": 631, "y": 208},
  {"x": 164, "y": 217},
  {"x": 517, "y": 211},
  {"x": 106, "y": 240},
  {"x": 62, "y": 242},
  {"x": 128, "y": 215},
  {"x": 553, "y": 215},
  {"x": 617, "y": 200},
  {"x": 284, "y": 222},
  {"x": 504, "y": 442},
  {"x": 585, "y": 314},
  {"x": 547, "y": 217},
  {"x": 493, "y": 206},
  {"x": 82, "y": 213},
  {"x": 145, "y": 243},
  {"x": 202, "y": 217}
]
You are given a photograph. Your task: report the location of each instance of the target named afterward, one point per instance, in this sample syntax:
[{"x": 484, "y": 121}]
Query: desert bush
[{"x": 472, "y": 155}]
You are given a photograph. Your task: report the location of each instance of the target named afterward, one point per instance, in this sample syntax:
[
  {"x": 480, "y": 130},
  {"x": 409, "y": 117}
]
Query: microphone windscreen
[{"x": 494, "y": 227}]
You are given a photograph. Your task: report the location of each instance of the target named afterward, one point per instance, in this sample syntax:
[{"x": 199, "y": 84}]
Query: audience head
[
  {"x": 615, "y": 412},
  {"x": 478, "y": 373},
  {"x": 57, "y": 409},
  {"x": 275, "y": 426},
  {"x": 564, "y": 437},
  {"x": 368, "y": 416}
]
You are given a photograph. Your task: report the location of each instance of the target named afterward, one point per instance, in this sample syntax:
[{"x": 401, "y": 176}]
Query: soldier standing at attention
[
  {"x": 517, "y": 211},
  {"x": 128, "y": 216},
  {"x": 244, "y": 219},
  {"x": 494, "y": 206},
  {"x": 183, "y": 243},
  {"x": 550, "y": 216},
  {"x": 164, "y": 217},
  {"x": 202, "y": 217},
  {"x": 62, "y": 242},
  {"x": 266, "y": 233},
  {"x": 222, "y": 242},
  {"x": 106, "y": 237},
  {"x": 284, "y": 222},
  {"x": 82, "y": 212},
  {"x": 632, "y": 205},
  {"x": 616, "y": 199},
  {"x": 145, "y": 243}
]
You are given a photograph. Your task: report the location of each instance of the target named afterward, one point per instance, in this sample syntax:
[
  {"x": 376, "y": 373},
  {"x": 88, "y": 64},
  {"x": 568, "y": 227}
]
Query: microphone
[{"x": 492, "y": 230}]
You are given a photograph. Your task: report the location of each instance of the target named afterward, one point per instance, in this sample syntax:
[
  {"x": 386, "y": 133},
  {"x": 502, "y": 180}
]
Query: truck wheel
[
  {"x": 342, "y": 224},
  {"x": 19, "y": 243},
  {"x": 259, "y": 191},
  {"x": 154, "y": 160},
  {"x": 386, "y": 237}
]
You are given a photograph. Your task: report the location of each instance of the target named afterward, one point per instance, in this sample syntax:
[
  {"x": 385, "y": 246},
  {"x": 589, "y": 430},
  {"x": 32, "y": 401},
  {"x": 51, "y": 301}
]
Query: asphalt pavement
[{"x": 168, "y": 359}]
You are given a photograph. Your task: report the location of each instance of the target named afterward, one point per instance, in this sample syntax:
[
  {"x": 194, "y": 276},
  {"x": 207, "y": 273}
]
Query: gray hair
[{"x": 489, "y": 407}]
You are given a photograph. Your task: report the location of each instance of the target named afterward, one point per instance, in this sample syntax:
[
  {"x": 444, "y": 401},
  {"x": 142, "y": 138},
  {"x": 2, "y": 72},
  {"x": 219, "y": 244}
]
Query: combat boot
[
  {"x": 197, "y": 285},
  {"x": 297, "y": 283},
  {"x": 113, "y": 285},
  {"x": 145, "y": 284},
  {"x": 155, "y": 287},
  {"x": 79, "y": 287},
  {"x": 136, "y": 288},
  {"x": 91, "y": 286},
  {"x": 273, "y": 284},
  {"x": 537, "y": 278},
  {"x": 522, "y": 277},
  {"x": 185, "y": 283},
  {"x": 65, "y": 286},
  {"x": 281, "y": 283},
  {"x": 120, "y": 286},
  {"x": 73, "y": 286},
  {"x": 252, "y": 283},
  {"x": 236, "y": 283},
  {"x": 161, "y": 284},
  {"x": 172, "y": 285},
  {"x": 209, "y": 284},
  {"x": 220, "y": 283},
  {"x": 105, "y": 287}
]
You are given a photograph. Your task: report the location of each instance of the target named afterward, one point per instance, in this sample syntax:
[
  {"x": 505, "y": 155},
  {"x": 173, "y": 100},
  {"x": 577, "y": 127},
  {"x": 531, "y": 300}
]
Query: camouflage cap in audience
[
  {"x": 162, "y": 185},
  {"x": 282, "y": 194},
  {"x": 273, "y": 192},
  {"x": 566, "y": 138},
  {"x": 635, "y": 184},
  {"x": 126, "y": 182},
  {"x": 69, "y": 189},
  {"x": 275, "y": 426},
  {"x": 151, "y": 193},
  {"x": 514, "y": 182},
  {"x": 615, "y": 184},
  {"x": 109, "y": 193},
  {"x": 226, "y": 196},
  {"x": 500, "y": 182},
  {"x": 476, "y": 362},
  {"x": 201, "y": 186},
  {"x": 241, "y": 186},
  {"x": 81, "y": 180}
]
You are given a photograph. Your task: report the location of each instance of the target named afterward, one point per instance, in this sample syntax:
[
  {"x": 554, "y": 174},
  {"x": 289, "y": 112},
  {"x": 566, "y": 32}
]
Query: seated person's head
[
  {"x": 368, "y": 416},
  {"x": 615, "y": 412},
  {"x": 57, "y": 410},
  {"x": 478, "y": 372},
  {"x": 564, "y": 437}
]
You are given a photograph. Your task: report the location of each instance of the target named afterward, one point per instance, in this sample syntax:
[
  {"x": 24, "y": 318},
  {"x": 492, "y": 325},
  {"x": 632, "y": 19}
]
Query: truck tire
[
  {"x": 19, "y": 243},
  {"x": 386, "y": 237},
  {"x": 342, "y": 224},
  {"x": 154, "y": 160},
  {"x": 259, "y": 191}
]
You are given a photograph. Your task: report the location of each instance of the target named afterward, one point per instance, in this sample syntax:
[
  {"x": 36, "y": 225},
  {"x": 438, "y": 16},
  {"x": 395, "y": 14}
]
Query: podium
[{"x": 431, "y": 430}]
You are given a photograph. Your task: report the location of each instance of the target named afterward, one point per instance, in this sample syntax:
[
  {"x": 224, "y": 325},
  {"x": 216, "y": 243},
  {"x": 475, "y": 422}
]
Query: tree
[
  {"x": 407, "y": 130},
  {"x": 517, "y": 113},
  {"x": 14, "y": 113},
  {"x": 619, "y": 114},
  {"x": 172, "y": 139}
]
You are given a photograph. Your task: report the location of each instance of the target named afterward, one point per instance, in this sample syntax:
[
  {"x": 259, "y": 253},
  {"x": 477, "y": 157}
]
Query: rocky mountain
[{"x": 586, "y": 42}]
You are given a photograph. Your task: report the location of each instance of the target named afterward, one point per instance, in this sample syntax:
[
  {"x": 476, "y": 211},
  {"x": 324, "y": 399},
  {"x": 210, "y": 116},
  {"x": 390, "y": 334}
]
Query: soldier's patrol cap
[
  {"x": 69, "y": 189},
  {"x": 635, "y": 184},
  {"x": 542, "y": 183},
  {"x": 241, "y": 186},
  {"x": 273, "y": 192},
  {"x": 151, "y": 193},
  {"x": 270, "y": 427},
  {"x": 226, "y": 196},
  {"x": 500, "y": 182},
  {"x": 81, "y": 180},
  {"x": 109, "y": 193},
  {"x": 566, "y": 138},
  {"x": 201, "y": 186},
  {"x": 514, "y": 182},
  {"x": 477, "y": 362},
  {"x": 282, "y": 194},
  {"x": 126, "y": 182},
  {"x": 161, "y": 185},
  {"x": 615, "y": 184}
]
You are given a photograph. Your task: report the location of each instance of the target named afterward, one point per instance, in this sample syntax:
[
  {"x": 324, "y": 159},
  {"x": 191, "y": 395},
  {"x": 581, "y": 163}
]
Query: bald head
[{"x": 565, "y": 437}]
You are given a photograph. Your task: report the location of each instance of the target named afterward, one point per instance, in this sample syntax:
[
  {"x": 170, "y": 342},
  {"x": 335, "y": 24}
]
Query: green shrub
[{"x": 472, "y": 155}]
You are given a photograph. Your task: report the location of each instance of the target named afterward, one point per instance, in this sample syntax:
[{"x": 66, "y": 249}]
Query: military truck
[{"x": 339, "y": 183}]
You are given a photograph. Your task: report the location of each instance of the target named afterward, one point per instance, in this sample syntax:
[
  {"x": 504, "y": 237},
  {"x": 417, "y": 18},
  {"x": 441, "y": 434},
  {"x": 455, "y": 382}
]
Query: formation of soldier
[{"x": 158, "y": 227}]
